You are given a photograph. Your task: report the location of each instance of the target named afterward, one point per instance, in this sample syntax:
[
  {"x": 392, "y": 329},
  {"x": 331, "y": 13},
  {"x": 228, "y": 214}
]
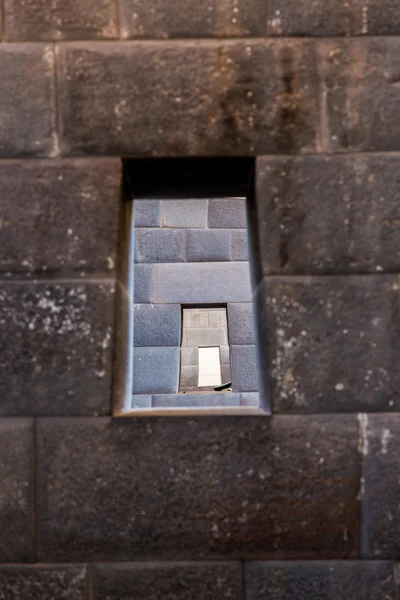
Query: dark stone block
[
  {"x": 40, "y": 582},
  {"x": 241, "y": 324},
  {"x": 227, "y": 213},
  {"x": 56, "y": 350},
  {"x": 16, "y": 491},
  {"x": 160, "y": 245},
  {"x": 180, "y": 581},
  {"x": 208, "y": 245},
  {"x": 361, "y": 94},
  {"x": 284, "y": 487},
  {"x": 157, "y": 325},
  {"x": 155, "y": 370},
  {"x": 244, "y": 368},
  {"x": 59, "y": 216},
  {"x": 147, "y": 213},
  {"x": 196, "y": 400},
  {"x": 171, "y": 19},
  {"x": 142, "y": 283},
  {"x": 329, "y": 214},
  {"x": 333, "y": 343},
  {"x": 331, "y": 580},
  {"x": 28, "y": 127},
  {"x": 249, "y": 109},
  {"x": 60, "y": 20},
  {"x": 240, "y": 244}
]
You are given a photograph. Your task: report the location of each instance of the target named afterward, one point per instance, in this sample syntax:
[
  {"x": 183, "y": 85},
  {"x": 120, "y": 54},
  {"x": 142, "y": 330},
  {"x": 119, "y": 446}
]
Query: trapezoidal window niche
[{"x": 189, "y": 326}]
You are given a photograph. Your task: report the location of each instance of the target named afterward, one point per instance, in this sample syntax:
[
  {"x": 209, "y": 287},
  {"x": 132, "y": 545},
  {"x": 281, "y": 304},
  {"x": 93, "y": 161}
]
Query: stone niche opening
[{"x": 187, "y": 340}]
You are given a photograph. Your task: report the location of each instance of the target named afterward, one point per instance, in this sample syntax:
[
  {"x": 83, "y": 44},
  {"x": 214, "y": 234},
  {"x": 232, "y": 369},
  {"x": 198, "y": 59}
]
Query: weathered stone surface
[
  {"x": 284, "y": 487},
  {"x": 244, "y": 368},
  {"x": 205, "y": 336},
  {"x": 141, "y": 401},
  {"x": 184, "y": 213},
  {"x": 60, "y": 20},
  {"x": 171, "y": 19},
  {"x": 27, "y": 127},
  {"x": 196, "y": 400},
  {"x": 56, "y": 348},
  {"x": 261, "y": 97},
  {"x": 336, "y": 214},
  {"x": 16, "y": 491},
  {"x": 241, "y": 323},
  {"x": 39, "y": 582},
  {"x": 160, "y": 245},
  {"x": 227, "y": 213},
  {"x": 331, "y": 580},
  {"x": 157, "y": 325},
  {"x": 155, "y": 370},
  {"x": 250, "y": 399},
  {"x": 59, "y": 216},
  {"x": 189, "y": 356},
  {"x": 147, "y": 213},
  {"x": 181, "y": 581},
  {"x": 142, "y": 283},
  {"x": 189, "y": 377},
  {"x": 333, "y": 343},
  {"x": 199, "y": 283},
  {"x": 208, "y": 245},
  {"x": 360, "y": 94},
  {"x": 240, "y": 244}
]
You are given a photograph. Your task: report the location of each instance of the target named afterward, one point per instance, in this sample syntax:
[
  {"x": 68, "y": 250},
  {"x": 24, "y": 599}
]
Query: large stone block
[
  {"x": 200, "y": 283},
  {"x": 184, "y": 213},
  {"x": 227, "y": 213},
  {"x": 171, "y": 19},
  {"x": 59, "y": 216},
  {"x": 28, "y": 124},
  {"x": 241, "y": 324},
  {"x": 60, "y": 20},
  {"x": 361, "y": 94},
  {"x": 39, "y": 582},
  {"x": 160, "y": 245},
  {"x": 244, "y": 368},
  {"x": 285, "y": 487},
  {"x": 189, "y": 377},
  {"x": 157, "y": 325},
  {"x": 315, "y": 580},
  {"x": 155, "y": 370},
  {"x": 261, "y": 98},
  {"x": 251, "y": 399},
  {"x": 333, "y": 343},
  {"x": 240, "y": 244},
  {"x": 180, "y": 581},
  {"x": 142, "y": 283},
  {"x": 208, "y": 245},
  {"x": 147, "y": 213},
  {"x": 57, "y": 347},
  {"x": 196, "y": 400},
  {"x": 205, "y": 336},
  {"x": 336, "y": 214},
  {"x": 141, "y": 401}
]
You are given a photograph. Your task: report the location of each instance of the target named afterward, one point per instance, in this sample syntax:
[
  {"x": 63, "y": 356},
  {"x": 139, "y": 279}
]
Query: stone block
[
  {"x": 240, "y": 244},
  {"x": 60, "y": 20},
  {"x": 226, "y": 373},
  {"x": 69, "y": 217},
  {"x": 286, "y": 487},
  {"x": 184, "y": 213},
  {"x": 142, "y": 283},
  {"x": 250, "y": 108},
  {"x": 360, "y": 78},
  {"x": 195, "y": 318},
  {"x": 157, "y": 325},
  {"x": 333, "y": 580},
  {"x": 189, "y": 377},
  {"x": 155, "y": 370},
  {"x": 189, "y": 356},
  {"x": 333, "y": 343},
  {"x": 195, "y": 400},
  {"x": 199, "y": 283},
  {"x": 244, "y": 367},
  {"x": 160, "y": 245},
  {"x": 224, "y": 355},
  {"x": 171, "y": 19},
  {"x": 38, "y": 582},
  {"x": 205, "y": 336},
  {"x": 251, "y": 399},
  {"x": 147, "y": 213},
  {"x": 208, "y": 245},
  {"x": 16, "y": 492},
  {"x": 28, "y": 127},
  {"x": 241, "y": 324},
  {"x": 181, "y": 581},
  {"x": 141, "y": 401},
  {"x": 227, "y": 213},
  {"x": 58, "y": 357}
]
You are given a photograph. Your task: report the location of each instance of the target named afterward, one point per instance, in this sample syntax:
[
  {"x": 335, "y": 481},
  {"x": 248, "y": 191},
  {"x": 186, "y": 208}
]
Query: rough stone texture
[
  {"x": 141, "y": 401},
  {"x": 360, "y": 94},
  {"x": 142, "y": 283},
  {"x": 171, "y": 19},
  {"x": 240, "y": 245},
  {"x": 43, "y": 582},
  {"x": 189, "y": 356},
  {"x": 261, "y": 98},
  {"x": 147, "y": 213},
  {"x": 333, "y": 343},
  {"x": 16, "y": 491},
  {"x": 157, "y": 325},
  {"x": 244, "y": 368},
  {"x": 197, "y": 400},
  {"x": 27, "y": 126},
  {"x": 184, "y": 213},
  {"x": 189, "y": 377},
  {"x": 208, "y": 245},
  {"x": 199, "y": 283},
  {"x": 328, "y": 580},
  {"x": 227, "y": 213},
  {"x": 155, "y": 370},
  {"x": 250, "y": 399},
  {"x": 283, "y": 487},
  {"x": 329, "y": 214},
  {"x": 205, "y": 336},
  {"x": 59, "y": 20},
  {"x": 241, "y": 324},
  {"x": 68, "y": 210},
  {"x": 180, "y": 581},
  {"x": 56, "y": 348},
  {"x": 160, "y": 245},
  {"x": 381, "y": 486}
]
